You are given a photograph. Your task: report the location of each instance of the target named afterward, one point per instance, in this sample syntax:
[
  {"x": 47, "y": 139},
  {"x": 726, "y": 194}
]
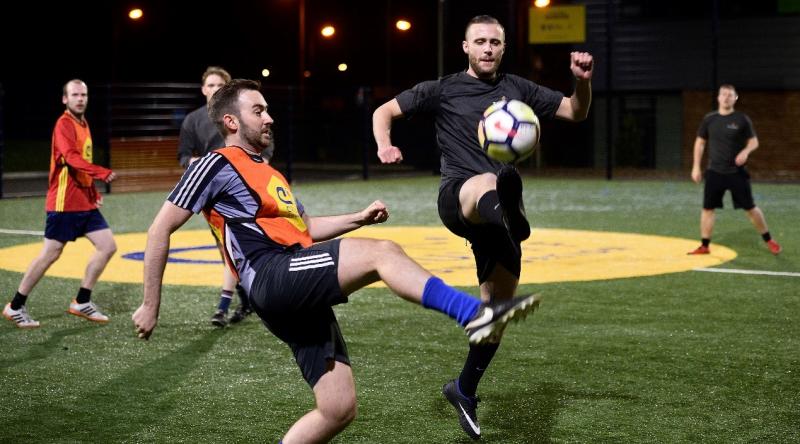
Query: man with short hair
[
  {"x": 292, "y": 264},
  {"x": 480, "y": 199},
  {"x": 731, "y": 139},
  {"x": 199, "y": 136},
  {"x": 72, "y": 211}
]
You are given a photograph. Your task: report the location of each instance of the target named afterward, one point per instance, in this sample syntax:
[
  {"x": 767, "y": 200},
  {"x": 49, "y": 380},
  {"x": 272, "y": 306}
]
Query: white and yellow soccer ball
[{"x": 509, "y": 131}]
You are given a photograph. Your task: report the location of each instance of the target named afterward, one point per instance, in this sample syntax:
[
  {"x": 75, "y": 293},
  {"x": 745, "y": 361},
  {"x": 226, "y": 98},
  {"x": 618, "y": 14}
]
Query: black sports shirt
[
  {"x": 198, "y": 136},
  {"x": 457, "y": 102},
  {"x": 726, "y": 136}
]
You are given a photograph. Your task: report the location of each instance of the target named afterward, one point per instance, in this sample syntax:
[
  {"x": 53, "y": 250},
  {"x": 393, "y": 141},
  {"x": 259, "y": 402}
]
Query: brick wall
[{"x": 776, "y": 117}]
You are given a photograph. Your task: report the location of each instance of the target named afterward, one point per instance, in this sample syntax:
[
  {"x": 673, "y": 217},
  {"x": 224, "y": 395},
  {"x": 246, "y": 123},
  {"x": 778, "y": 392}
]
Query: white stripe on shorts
[{"x": 309, "y": 262}]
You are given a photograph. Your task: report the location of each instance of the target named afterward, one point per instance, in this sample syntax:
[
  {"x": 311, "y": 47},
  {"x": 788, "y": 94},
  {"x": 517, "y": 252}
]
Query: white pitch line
[
  {"x": 733, "y": 270},
  {"x": 32, "y": 233}
]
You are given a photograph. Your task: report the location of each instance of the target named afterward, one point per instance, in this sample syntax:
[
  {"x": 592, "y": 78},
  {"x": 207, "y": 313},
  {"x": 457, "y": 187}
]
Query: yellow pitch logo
[{"x": 550, "y": 255}]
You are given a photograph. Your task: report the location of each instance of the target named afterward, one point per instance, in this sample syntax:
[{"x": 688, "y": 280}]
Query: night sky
[
  {"x": 175, "y": 40},
  {"x": 46, "y": 44}
]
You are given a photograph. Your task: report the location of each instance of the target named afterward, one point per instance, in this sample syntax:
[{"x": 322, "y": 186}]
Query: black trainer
[
  {"x": 465, "y": 408},
  {"x": 219, "y": 318},
  {"x": 239, "y": 314},
  {"x": 509, "y": 192},
  {"x": 488, "y": 324}
]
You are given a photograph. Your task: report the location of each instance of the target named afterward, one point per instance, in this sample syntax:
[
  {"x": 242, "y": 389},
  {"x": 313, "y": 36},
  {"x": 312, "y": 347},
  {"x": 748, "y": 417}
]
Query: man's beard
[
  {"x": 256, "y": 139},
  {"x": 482, "y": 73}
]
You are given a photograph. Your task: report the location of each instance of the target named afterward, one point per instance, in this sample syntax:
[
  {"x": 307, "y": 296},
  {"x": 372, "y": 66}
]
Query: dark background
[{"x": 658, "y": 51}]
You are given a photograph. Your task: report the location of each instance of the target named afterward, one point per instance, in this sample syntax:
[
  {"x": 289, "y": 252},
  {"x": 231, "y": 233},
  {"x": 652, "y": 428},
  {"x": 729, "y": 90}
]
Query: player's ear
[
  {"x": 464, "y": 46},
  {"x": 231, "y": 122}
]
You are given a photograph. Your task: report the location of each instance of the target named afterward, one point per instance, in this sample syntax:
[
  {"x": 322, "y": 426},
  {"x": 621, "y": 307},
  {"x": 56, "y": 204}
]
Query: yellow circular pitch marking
[{"x": 550, "y": 255}]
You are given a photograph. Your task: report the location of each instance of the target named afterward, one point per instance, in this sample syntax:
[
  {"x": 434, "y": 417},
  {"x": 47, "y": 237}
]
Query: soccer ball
[{"x": 509, "y": 131}]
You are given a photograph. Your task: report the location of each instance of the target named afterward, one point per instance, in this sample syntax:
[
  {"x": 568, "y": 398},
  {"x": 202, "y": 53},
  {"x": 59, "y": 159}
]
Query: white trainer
[
  {"x": 88, "y": 311},
  {"x": 19, "y": 317}
]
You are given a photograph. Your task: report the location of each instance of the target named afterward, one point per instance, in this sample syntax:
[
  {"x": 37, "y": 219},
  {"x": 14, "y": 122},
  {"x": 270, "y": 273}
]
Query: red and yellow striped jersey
[{"x": 71, "y": 186}]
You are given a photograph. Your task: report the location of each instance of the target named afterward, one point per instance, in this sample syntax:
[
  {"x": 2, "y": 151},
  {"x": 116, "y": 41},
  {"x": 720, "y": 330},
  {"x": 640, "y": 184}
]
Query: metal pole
[
  {"x": 301, "y": 41},
  {"x": 2, "y": 138},
  {"x": 714, "y": 47},
  {"x": 364, "y": 102},
  {"x": 291, "y": 133},
  {"x": 609, "y": 89},
  {"x": 109, "y": 129},
  {"x": 440, "y": 38}
]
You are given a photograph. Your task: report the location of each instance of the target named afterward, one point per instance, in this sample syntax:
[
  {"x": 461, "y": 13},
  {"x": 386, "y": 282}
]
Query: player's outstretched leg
[
  {"x": 363, "y": 261},
  {"x": 509, "y": 192}
]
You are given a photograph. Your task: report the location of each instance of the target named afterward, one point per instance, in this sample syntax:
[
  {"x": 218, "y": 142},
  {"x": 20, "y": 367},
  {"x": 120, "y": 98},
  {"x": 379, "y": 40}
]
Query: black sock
[
  {"x": 478, "y": 360},
  {"x": 490, "y": 209},
  {"x": 18, "y": 301},
  {"x": 84, "y": 295},
  {"x": 245, "y": 303},
  {"x": 706, "y": 241},
  {"x": 766, "y": 237}
]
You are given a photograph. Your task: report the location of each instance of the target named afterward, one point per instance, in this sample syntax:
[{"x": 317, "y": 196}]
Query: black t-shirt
[
  {"x": 457, "y": 102},
  {"x": 198, "y": 136},
  {"x": 726, "y": 136}
]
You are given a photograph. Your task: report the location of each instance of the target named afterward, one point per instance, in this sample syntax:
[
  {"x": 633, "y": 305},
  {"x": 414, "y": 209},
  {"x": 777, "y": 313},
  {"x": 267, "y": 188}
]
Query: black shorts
[
  {"x": 490, "y": 244},
  {"x": 293, "y": 293},
  {"x": 739, "y": 185},
  {"x": 66, "y": 226}
]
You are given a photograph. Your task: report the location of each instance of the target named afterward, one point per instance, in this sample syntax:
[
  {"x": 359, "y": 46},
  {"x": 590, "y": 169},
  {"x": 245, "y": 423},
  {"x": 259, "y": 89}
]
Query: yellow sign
[{"x": 557, "y": 24}]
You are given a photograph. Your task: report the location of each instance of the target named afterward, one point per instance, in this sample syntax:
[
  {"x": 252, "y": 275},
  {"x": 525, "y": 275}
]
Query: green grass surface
[{"x": 683, "y": 357}]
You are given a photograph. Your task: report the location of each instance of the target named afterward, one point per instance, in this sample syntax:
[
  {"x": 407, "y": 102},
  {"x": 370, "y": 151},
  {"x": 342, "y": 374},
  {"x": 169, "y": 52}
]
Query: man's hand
[
  {"x": 581, "y": 64},
  {"x": 144, "y": 320},
  {"x": 376, "y": 213},
  {"x": 697, "y": 176},
  {"x": 110, "y": 178},
  {"x": 741, "y": 158},
  {"x": 390, "y": 154}
]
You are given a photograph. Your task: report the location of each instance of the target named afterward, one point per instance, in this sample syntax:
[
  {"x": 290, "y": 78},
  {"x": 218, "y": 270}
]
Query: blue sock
[
  {"x": 225, "y": 300},
  {"x": 441, "y": 297}
]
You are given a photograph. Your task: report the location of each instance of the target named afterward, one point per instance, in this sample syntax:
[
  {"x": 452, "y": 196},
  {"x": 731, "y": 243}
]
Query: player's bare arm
[
  {"x": 752, "y": 145},
  {"x": 699, "y": 147},
  {"x": 168, "y": 219},
  {"x": 381, "y": 129},
  {"x": 328, "y": 227},
  {"x": 576, "y": 107}
]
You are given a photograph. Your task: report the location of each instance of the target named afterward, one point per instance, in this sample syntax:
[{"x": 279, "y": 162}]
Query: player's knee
[
  {"x": 107, "y": 250},
  {"x": 51, "y": 255},
  {"x": 483, "y": 184},
  {"x": 387, "y": 248},
  {"x": 342, "y": 412}
]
